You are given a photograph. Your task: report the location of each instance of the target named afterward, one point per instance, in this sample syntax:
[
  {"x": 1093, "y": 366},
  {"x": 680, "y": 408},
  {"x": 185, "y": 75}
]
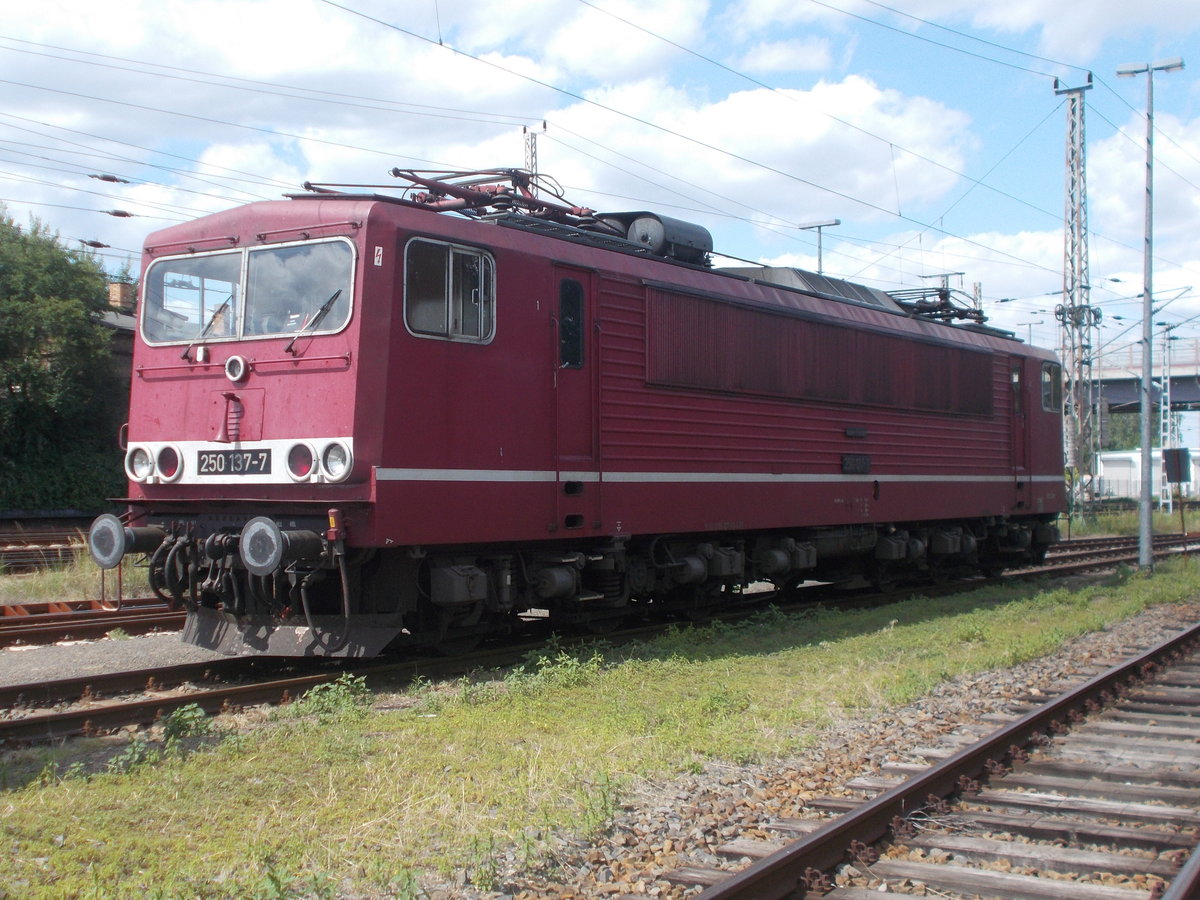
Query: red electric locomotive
[{"x": 358, "y": 422}]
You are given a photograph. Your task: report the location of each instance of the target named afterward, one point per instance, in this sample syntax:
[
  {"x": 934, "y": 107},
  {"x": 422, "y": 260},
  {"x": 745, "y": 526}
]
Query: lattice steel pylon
[
  {"x": 1168, "y": 422},
  {"x": 1077, "y": 317},
  {"x": 531, "y": 156}
]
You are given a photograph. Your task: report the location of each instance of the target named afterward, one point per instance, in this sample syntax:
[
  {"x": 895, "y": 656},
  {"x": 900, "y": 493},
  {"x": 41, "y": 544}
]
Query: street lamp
[
  {"x": 818, "y": 226},
  {"x": 1031, "y": 324},
  {"x": 1145, "y": 526}
]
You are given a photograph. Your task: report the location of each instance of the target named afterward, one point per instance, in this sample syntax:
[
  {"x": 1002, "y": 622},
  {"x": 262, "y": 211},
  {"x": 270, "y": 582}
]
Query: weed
[
  {"x": 78, "y": 578},
  {"x": 118, "y": 634},
  {"x": 185, "y": 722},
  {"x": 1106, "y": 524},
  {"x": 138, "y": 753},
  {"x": 598, "y": 799},
  {"x": 971, "y": 633},
  {"x": 485, "y": 870},
  {"x": 558, "y": 671},
  {"x": 272, "y": 884},
  {"x": 724, "y": 703},
  {"x": 48, "y": 775},
  {"x": 348, "y": 697},
  {"x": 322, "y": 886},
  {"x": 529, "y": 846},
  {"x": 399, "y": 882}
]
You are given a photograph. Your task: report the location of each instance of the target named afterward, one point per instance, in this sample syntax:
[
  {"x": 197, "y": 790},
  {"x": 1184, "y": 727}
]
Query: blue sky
[{"x": 748, "y": 116}]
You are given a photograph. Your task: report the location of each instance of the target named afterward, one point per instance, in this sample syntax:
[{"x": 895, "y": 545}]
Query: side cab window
[
  {"x": 570, "y": 324},
  {"x": 1052, "y": 387},
  {"x": 449, "y": 291}
]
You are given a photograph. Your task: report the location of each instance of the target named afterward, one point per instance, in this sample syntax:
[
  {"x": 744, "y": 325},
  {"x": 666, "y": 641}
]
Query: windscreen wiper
[
  {"x": 315, "y": 321},
  {"x": 212, "y": 320}
]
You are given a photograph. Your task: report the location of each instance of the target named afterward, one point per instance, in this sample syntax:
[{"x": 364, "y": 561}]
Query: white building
[{"x": 1120, "y": 474}]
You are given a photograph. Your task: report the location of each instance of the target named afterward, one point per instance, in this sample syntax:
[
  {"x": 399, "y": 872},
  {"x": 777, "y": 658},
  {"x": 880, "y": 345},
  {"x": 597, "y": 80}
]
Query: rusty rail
[{"x": 791, "y": 869}]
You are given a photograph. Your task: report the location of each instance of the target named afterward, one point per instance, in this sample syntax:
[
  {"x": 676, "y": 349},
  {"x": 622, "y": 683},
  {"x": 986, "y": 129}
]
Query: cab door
[
  {"x": 1020, "y": 432},
  {"x": 576, "y": 429}
]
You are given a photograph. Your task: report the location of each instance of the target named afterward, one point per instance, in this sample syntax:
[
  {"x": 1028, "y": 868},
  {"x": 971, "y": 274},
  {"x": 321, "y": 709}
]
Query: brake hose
[{"x": 345, "y": 579}]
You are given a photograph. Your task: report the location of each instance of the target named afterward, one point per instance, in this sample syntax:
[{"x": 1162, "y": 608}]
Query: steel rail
[
  {"x": 784, "y": 872},
  {"x": 1186, "y": 883},
  {"x": 57, "y": 610},
  {"x": 95, "y": 686},
  {"x": 79, "y": 626},
  {"x": 104, "y": 717}
]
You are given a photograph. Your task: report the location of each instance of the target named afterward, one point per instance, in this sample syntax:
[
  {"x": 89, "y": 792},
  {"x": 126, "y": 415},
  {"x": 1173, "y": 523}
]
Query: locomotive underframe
[{"x": 314, "y": 595}]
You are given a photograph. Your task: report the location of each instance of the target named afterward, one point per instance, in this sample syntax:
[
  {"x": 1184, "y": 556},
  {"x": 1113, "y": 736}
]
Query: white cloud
[
  {"x": 798, "y": 55},
  {"x": 1076, "y": 33},
  {"x": 396, "y": 100}
]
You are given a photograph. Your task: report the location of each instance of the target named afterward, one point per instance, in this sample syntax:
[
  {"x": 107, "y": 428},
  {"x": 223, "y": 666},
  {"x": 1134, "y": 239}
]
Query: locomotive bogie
[{"x": 512, "y": 419}]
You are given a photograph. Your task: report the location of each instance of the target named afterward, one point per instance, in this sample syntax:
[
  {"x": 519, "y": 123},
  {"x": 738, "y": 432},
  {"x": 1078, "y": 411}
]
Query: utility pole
[
  {"x": 945, "y": 277},
  {"x": 1076, "y": 315},
  {"x": 1145, "y": 513}
]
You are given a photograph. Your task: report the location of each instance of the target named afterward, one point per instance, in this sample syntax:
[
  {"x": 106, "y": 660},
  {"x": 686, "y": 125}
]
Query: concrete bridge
[{"x": 1120, "y": 375}]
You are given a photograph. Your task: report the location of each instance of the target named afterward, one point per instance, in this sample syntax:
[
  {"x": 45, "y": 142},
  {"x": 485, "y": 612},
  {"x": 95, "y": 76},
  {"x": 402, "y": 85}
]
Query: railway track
[
  {"x": 1084, "y": 553},
  {"x": 105, "y": 702},
  {"x": 1094, "y": 794},
  {"x": 25, "y": 550},
  {"x": 47, "y": 623}
]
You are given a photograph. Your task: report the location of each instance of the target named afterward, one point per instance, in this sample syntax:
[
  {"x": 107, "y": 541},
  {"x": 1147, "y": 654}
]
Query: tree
[
  {"x": 57, "y": 404},
  {"x": 1123, "y": 431}
]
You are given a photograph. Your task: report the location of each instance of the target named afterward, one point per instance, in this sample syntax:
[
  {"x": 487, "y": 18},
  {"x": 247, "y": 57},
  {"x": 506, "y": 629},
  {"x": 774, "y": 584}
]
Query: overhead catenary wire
[
  {"x": 235, "y": 174},
  {"x": 288, "y": 91},
  {"x": 270, "y": 88},
  {"x": 974, "y": 182},
  {"x": 791, "y": 176},
  {"x": 276, "y": 89},
  {"x": 87, "y": 209},
  {"x": 825, "y": 113},
  {"x": 390, "y": 154}
]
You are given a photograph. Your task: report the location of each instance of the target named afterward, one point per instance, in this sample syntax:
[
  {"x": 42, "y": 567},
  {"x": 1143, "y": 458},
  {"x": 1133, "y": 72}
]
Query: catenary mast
[{"x": 1076, "y": 316}]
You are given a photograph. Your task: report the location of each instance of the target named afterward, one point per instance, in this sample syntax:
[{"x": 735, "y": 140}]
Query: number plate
[{"x": 233, "y": 462}]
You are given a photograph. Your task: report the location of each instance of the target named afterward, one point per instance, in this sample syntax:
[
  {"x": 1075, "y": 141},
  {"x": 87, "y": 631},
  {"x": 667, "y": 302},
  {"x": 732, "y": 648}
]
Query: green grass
[
  {"x": 334, "y": 796},
  {"x": 1123, "y": 523}
]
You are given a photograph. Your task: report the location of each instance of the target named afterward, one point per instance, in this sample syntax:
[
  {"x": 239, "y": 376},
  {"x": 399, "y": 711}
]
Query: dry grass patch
[{"x": 79, "y": 579}]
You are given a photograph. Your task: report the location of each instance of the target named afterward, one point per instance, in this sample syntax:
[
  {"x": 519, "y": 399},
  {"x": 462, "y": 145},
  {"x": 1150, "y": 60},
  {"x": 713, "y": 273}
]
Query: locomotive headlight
[
  {"x": 138, "y": 464},
  {"x": 169, "y": 464},
  {"x": 337, "y": 461},
  {"x": 301, "y": 462}
]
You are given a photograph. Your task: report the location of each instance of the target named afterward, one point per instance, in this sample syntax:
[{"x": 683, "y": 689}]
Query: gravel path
[{"x": 70, "y": 659}]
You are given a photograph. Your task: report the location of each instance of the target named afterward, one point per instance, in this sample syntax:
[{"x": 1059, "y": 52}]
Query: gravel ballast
[{"x": 78, "y": 659}]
